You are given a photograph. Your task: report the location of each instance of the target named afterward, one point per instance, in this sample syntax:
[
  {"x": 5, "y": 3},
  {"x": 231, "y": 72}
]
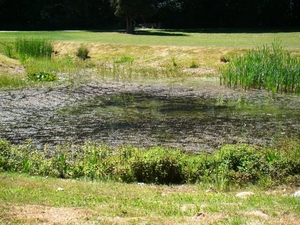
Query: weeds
[
  {"x": 232, "y": 165},
  {"x": 269, "y": 67},
  {"x": 11, "y": 81}
]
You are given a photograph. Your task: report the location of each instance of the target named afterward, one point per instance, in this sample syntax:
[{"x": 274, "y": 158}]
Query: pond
[{"x": 143, "y": 116}]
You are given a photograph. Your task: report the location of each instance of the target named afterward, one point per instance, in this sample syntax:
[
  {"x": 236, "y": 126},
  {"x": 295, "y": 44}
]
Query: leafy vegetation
[
  {"x": 232, "y": 165},
  {"x": 269, "y": 67},
  {"x": 42, "y": 76}
]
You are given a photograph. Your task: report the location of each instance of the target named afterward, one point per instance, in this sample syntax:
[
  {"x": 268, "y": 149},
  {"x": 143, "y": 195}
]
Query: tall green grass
[
  {"x": 33, "y": 47},
  {"x": 270, "y": 67}
]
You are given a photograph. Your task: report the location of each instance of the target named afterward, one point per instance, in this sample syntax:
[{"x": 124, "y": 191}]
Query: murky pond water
[{"x": 193, "y": 121}]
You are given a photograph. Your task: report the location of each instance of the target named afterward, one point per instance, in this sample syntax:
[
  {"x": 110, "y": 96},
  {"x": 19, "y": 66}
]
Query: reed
[
  {"x": 33, "y": 47},
  {"x": 270, "y": 67}
]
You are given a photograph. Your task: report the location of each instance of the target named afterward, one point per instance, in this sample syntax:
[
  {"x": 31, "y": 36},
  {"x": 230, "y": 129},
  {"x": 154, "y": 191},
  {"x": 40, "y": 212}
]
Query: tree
[{"x": 130, "y": 9}]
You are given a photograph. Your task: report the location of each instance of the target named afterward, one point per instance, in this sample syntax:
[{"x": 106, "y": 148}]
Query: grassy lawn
[
  {"x": 35, "y": 200},
  {"x": 168, "y": 38}
]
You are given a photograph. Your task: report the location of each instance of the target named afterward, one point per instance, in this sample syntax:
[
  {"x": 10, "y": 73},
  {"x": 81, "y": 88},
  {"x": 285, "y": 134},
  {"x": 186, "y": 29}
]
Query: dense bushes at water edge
[{"x": 231, "y": 165}]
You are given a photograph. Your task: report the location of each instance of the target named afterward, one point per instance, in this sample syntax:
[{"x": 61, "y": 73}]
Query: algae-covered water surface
[
  {"x": 192, "y": 123},
  {"x": 194, "y": 118}
]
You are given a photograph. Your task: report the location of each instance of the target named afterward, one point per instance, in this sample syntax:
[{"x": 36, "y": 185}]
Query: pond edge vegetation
[
  {"x": 268, "y": 67},
  {"x": 230, "y": 166}
]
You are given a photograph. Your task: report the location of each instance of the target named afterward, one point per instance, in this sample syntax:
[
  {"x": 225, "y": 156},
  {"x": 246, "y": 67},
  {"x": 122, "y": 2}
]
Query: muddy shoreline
[{"x": 36, "y": 114}]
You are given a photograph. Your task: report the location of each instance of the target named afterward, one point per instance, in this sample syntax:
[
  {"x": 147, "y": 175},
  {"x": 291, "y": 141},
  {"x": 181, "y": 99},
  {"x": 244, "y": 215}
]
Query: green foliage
[
  {"x": 8, "y": 49},
  {"x": 232, "y": 165},
  {"x": 125, "y": 59},
  {"x": 11, "y": 81},
  {"x": 42, "y": 76},
  {"x": 161, "y": 166},
  {"x": 269, "y": 67},
  {"x": 33, "y": 47},
  {"x": 83, "y": 52}
]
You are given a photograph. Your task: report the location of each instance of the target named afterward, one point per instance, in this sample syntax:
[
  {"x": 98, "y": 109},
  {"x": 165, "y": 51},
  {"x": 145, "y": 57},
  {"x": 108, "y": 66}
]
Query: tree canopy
[
  {"x": 99, "y": 14},
  {"x": 130, "y": 9}
]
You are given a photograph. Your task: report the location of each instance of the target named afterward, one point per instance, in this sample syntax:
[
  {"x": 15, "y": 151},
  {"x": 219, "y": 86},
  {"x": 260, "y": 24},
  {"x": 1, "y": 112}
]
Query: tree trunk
[{"x": 129, "y": 24}]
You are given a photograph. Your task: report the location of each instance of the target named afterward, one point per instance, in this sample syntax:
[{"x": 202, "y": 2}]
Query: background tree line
[{"x": 103, "y": 14}]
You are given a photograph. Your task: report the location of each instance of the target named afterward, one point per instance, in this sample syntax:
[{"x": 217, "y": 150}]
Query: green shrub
[
  {"x": 42, "y": 76},
  {"x": 232, "y": 165},
  {"x": 35, "y": 48},
  {"x": 269, "y": 67},
  {"x": 160, "y": 166}
]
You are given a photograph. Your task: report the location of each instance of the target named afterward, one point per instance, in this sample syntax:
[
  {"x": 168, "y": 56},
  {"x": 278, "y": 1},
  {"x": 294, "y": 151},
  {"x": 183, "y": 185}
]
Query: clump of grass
[
  {"x": 33, "y": 47},
  {"x": 269, "y": 67},
  {"x": 11, "y": 81},
  {"x": 8, "y": 49},
  {"x": 194, "y": 64},
  {"x": 83, "y": 52}
]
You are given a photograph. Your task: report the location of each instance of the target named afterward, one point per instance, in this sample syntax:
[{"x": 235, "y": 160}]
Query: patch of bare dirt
[{"x": 35, "y": 214}]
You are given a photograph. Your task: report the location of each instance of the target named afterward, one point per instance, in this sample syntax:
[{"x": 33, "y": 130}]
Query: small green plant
[
  {"x": 125, "y": 59},
  {"x": 83, "y": 52},
  {"x": 42, "y": 76},
  {"x": 33, "y": 47},
  {"x": 194, "y": 64},
  {"x": 269, "y": 67},
  {"x": 174, "y": 63}
]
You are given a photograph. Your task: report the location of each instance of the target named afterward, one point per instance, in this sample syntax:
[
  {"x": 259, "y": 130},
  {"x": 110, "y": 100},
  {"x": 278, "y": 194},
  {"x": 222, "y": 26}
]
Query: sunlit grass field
[{"x": 213, "y": 39}]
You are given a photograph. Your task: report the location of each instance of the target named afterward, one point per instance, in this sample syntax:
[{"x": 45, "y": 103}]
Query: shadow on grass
[
  {"x": 236, "y": 30},
  {"x": 150, "y": 32}
]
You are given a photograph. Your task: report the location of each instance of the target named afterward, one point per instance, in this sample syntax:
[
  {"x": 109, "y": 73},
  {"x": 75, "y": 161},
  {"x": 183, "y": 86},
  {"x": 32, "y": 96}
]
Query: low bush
[
  {"x": 160, "y": 166},
  {"x": 232, "y": 165}
]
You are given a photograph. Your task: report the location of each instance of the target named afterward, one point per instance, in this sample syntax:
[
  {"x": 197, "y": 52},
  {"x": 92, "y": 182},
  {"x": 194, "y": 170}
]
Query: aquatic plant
[
  {"x": 270, "y": 67},
  {"x": 33, "y": 47}
]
